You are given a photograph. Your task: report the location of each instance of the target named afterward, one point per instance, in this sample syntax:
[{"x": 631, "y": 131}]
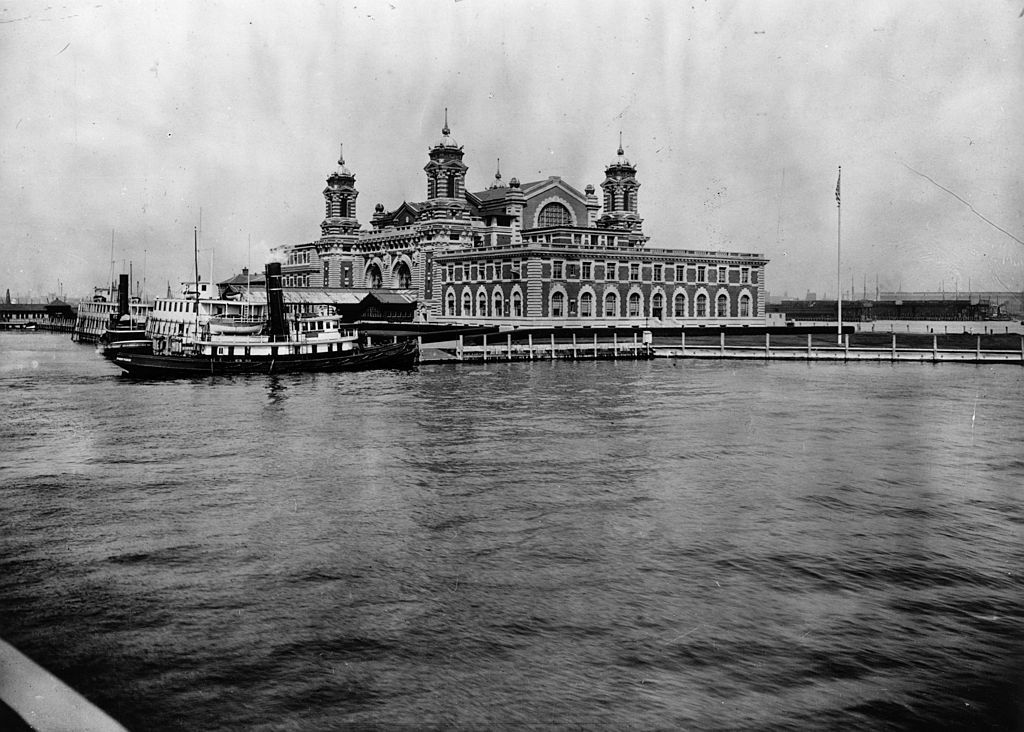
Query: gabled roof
[{"x": 536, "y": 187}]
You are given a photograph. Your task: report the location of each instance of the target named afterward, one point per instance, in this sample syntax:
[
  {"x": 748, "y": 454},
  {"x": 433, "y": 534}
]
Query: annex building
[{"x": 540, "y": 251}]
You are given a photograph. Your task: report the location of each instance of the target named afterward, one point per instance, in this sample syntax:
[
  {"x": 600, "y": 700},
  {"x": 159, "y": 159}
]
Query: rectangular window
[
  {"x": 586, "y": 271},
  {"x": 658, "y": 273},
  {"x": 634, "y": 271},
  {"x": 680, "y": 273},
  {"x": 721, "y": 274},
  {"x": 609, "y": 271},
  {"x": 515, "y": 269},
  {"x": 556, "y": 269},
  {"x": 458, "y": 274},
  {"x": 490, "y": 271},
  {"x": 572, "y": 270},
  {"x": 702, "y": 273},
  {"x": 473, "y": 273},
  {"x": 450, "y": 274},
  {"x": 745, "y": 275}
]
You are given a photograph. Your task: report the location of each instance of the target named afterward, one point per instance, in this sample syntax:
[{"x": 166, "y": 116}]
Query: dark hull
[{"x": 162, "y": 366}]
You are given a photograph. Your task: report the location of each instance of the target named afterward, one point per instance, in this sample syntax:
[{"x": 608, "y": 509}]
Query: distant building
[{"x": 540, "y": 251}]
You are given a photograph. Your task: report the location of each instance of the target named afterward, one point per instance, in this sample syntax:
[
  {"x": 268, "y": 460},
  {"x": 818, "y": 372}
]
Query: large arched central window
[
  {"x": 554, "y": 214},
  {"x": 373, "y": 276},
  {"x": 402, "y": 276}
]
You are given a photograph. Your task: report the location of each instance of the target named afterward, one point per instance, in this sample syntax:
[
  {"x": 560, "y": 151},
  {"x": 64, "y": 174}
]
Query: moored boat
[
  {"x": 122, "y": 332},
  {"x": 318, "y": 342}
]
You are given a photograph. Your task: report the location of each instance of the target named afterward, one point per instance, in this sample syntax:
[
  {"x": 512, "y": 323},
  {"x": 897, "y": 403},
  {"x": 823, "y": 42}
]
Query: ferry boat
[
  {"x": 122, "y": 331},
  {"x": 123, "y": 335},
  {"x": 309, "y": 342}
]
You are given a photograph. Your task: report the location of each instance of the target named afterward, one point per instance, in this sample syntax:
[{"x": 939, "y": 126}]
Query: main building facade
[{"x": 540, "y": 252}]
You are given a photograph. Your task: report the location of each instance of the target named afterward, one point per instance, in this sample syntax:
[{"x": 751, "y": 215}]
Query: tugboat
[
  {"x": 308, "y": 343},
  {"x": 122, "y": 333}
]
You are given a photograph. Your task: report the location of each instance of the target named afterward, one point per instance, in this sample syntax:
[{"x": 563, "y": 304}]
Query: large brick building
[{"x": 540, "y": 251}]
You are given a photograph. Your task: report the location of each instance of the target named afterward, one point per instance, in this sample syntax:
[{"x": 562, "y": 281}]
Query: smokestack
[
  {"x": 275, "y": 302},
  {"x": 122, "y": 295}
]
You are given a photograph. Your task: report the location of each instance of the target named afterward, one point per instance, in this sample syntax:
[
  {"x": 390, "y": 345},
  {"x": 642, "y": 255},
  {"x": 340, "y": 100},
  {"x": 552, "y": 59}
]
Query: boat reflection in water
[{"x": 234, "y": 346}]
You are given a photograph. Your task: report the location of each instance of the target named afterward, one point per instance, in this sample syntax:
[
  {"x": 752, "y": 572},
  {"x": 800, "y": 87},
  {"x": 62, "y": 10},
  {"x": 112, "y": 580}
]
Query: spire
[
  {"x": 620, "y": 144},
  {"x": 497, "y": 178},
  {"x": 444, "y": 130},
  {"x": 341, "y": 154}
]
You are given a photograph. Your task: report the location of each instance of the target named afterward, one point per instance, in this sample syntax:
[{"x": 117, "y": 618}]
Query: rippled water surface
[{"x": 663, "y": 544}]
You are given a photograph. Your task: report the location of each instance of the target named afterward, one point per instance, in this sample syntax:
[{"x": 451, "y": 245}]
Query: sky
[{"x": 127, "y": 124}]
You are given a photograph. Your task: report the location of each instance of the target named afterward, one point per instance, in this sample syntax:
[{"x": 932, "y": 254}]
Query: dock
[{"x": 761, "y": 344}]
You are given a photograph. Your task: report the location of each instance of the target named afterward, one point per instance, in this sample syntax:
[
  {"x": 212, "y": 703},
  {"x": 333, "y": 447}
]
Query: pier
[{"x": 744, "y": 343}]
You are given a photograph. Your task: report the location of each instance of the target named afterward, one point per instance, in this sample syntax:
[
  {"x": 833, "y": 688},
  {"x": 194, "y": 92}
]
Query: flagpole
[{"x": 839, "y": 259}]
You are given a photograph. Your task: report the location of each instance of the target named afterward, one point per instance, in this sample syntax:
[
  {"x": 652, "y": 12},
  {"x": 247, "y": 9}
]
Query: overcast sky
[{"x": 131, "y": 117}]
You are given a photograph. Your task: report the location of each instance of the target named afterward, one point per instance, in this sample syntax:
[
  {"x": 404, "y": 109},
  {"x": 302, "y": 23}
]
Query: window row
[
  {"x": 298, "y": 258},
  {"x": 482, "y": 307},
  {"x": 588, "y": 305},
  {"x": 608, "y": 271}
]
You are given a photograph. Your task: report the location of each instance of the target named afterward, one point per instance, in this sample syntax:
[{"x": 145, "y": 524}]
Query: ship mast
[{"x": 195, "y": 248}]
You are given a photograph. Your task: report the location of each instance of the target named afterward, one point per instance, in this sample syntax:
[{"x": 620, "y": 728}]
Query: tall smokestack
[
  {"x": 122, "y": 295},
  {"x": 275, "y": 302}
]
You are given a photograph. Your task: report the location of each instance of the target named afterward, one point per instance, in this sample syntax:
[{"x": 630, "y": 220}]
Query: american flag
[{"x": 837, "y": 184}]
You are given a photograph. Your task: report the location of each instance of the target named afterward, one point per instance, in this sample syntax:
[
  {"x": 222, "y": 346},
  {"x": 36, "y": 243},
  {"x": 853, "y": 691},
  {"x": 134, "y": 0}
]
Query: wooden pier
[{"x": 763, "y": 344}]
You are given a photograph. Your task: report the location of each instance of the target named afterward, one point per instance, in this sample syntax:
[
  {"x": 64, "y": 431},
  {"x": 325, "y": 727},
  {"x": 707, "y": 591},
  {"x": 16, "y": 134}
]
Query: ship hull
[{"x": 165, "y": 366}]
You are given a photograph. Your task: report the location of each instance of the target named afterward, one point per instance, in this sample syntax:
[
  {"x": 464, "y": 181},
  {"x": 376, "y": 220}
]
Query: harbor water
[{"x": 665, "y": 544}]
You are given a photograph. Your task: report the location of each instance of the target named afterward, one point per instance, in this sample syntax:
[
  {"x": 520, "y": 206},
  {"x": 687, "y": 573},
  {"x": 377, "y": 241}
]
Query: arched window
[
  {"x": 611, "y": 305},
  {"x": 402, "y": 276},
  {"x": 657, "y": 305},
  {"x": 634, "y": 305},
  {"x": 517, "y": 305},
  {"x": 744, "y": 306},
  {"x": 497, "y": 305},
  {"x": 373, "y": 276},
  {"x": 467, "y": 303},
  {"x": 450, "y": 309},
  {"x": 679, "y": 306},
  {"x": 481, "y": 304},
  {"x": 554, "y": 214},
  {"x": 625, "y": 199},
  {"x": 558, "y": 305},
  {"x": 451, "y": 185},
  {"x": 586, "y": 305},
  {"x": 722, "y": 306},
  {"x": 702, "y": 306}
]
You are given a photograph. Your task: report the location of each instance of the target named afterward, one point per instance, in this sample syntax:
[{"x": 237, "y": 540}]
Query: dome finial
[
  {"x": 497, "y": 173},
  {"x": 620, "y": 143},
  {"x": 444, "y": 130},
  {"x": 341, "y": 154}
]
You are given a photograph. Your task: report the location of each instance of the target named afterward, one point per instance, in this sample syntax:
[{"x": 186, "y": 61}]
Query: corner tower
[
  {"x": 340, "y": 201},
  {"x": 620, "y": 188},
  {"x": 446, "y": 177},
  {"x": 339, "y": 229}
]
